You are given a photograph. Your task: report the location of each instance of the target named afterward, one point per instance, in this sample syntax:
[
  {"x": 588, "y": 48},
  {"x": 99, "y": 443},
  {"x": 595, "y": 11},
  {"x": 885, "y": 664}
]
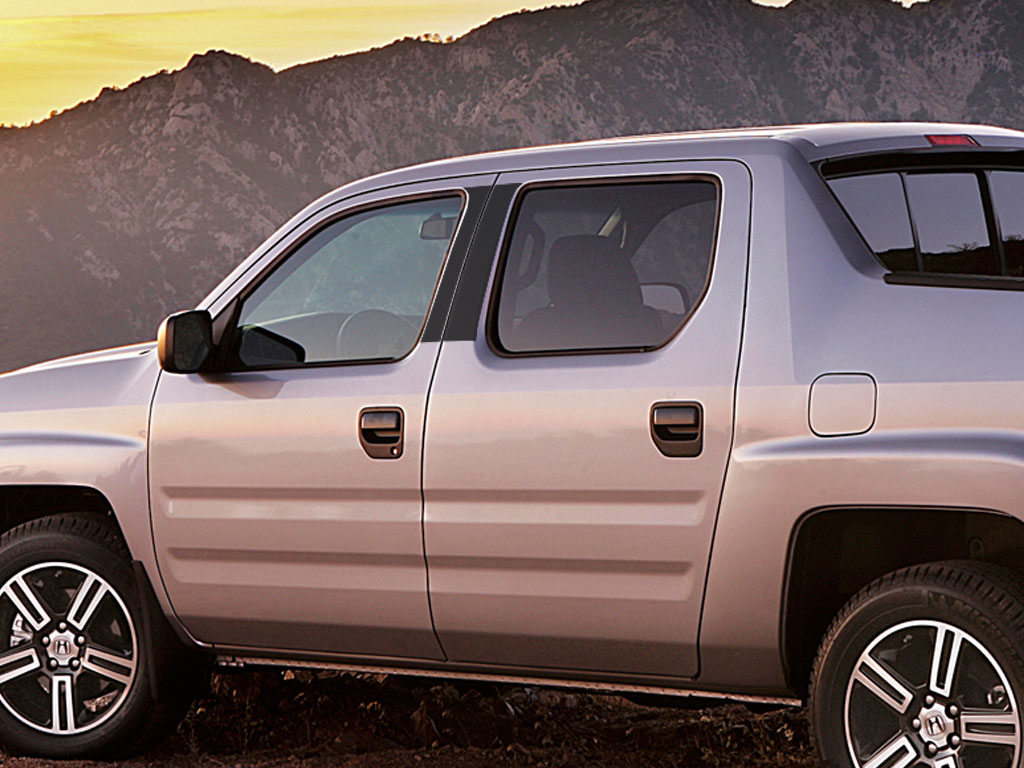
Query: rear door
[
  {"x": 581, "y": 416},
  {"x": 285, "y": 489}
]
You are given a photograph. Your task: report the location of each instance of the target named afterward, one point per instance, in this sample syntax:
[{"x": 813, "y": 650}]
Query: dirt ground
[{"x": 302, "y": 719}]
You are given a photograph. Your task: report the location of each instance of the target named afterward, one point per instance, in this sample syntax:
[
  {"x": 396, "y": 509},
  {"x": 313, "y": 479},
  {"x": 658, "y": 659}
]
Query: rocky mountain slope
[{"x": 125, "y": 208}]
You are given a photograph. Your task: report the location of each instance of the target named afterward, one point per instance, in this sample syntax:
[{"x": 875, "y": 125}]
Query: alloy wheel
[
  {"x": 70, "y": 651},
  {"x": 927, "y": 693}
]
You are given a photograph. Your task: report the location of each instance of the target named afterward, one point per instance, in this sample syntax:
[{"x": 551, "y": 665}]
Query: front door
[
  {"x": 285, "y": 488},
  {"x": 580, "y": 421}
]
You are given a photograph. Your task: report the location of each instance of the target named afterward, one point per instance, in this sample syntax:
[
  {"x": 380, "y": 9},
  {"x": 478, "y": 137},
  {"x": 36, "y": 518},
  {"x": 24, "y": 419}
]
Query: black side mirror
[{"x": 185, "y": 341}]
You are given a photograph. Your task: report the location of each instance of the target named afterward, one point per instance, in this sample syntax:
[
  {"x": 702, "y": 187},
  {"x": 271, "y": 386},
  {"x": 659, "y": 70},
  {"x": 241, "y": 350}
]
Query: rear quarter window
[
  {"x": 966, "y": 222},
  {"x": 1008, "y": 198},
  {"x": 878, "y": 207},
  {"x": 951, "y": 227}
]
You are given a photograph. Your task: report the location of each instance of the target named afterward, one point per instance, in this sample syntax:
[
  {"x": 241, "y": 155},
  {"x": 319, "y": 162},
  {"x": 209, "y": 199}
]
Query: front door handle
[
  {"x": 678, "y": 428},
  {"x": 382, "y": 432}
]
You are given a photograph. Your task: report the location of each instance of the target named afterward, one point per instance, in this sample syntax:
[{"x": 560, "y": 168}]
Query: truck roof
[{"x": 814, "y": 141}]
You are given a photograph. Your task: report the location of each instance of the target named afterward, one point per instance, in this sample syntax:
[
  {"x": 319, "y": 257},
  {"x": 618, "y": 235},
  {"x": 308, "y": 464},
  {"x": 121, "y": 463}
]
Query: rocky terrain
[
  {"x": 303, "y": 719},
  {"x": 125, "y": 208}
]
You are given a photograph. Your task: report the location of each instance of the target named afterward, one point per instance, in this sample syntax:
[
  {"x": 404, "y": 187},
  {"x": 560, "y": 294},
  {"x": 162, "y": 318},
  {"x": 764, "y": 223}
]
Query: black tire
[
  {"x": 115, "y": 675},
  {"x": 924, "y": 667}
]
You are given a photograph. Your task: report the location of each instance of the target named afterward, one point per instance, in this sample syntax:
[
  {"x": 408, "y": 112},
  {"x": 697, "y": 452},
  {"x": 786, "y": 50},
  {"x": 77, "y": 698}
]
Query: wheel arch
[
  {"x": 835, "y": 551},
  {"x": 22, "y": 503}
]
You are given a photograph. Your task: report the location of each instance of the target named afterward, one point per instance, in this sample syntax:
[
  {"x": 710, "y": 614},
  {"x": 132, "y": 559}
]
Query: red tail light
[{"x": 952, "y": 141}]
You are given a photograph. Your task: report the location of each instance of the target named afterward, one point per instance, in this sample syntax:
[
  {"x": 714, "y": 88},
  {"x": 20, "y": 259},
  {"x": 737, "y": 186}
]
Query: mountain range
[{"x": 125, "y": 208}]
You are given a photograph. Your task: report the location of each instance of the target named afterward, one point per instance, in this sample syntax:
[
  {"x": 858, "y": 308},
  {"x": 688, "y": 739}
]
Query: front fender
[{"x": 84, "y": 421}]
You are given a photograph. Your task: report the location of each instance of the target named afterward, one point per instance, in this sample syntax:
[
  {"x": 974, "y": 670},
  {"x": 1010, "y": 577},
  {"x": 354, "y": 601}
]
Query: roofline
[{"x": 814, "y": 141}]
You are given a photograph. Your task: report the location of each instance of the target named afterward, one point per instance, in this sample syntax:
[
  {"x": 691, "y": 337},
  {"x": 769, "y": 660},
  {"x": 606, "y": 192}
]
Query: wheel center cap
[
  {"x": 936, "y": 725},
  {"x": 62, "y": 647}
]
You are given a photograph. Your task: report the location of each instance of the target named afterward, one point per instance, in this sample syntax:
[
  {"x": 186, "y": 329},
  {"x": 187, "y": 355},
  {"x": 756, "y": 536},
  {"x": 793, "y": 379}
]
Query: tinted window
[
  {"x": 951, "y": 228},
  {"x": 1008, "y": 199},
  {"x": 358, "y": 289},
  {"x": 605, "y": 266},
  {"x": 678, "y": 249},
  {"x": 878, "y": 207},
  {"x": 942, "y": 215}
]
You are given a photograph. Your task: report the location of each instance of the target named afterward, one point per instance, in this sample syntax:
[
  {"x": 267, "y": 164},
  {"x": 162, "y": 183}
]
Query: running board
[{"x": 238, "y": 662}]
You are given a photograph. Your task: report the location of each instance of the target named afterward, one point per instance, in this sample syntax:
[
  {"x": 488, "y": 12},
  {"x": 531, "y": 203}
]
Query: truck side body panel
[{"x": 946, "y": 432}]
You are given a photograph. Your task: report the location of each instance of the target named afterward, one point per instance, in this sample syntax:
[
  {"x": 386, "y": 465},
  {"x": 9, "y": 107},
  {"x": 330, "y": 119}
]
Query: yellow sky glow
[
  {"x": 56, "y": 53},
  {"x": 62, "y": 55}
]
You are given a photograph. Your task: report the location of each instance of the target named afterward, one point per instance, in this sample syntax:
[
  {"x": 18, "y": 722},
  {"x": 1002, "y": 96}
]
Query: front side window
[
  {"x": 357, "y": 290},
  {"x": 604, "y": 266}
]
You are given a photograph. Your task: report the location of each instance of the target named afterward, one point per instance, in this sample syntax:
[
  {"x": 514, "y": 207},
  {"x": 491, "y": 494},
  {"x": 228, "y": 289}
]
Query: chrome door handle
[
  {"x": 382, "y": 432},
  {"x": 678, "y": 428}
]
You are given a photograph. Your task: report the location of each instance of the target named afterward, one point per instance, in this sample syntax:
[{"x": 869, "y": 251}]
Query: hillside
[{"x": 125, "y": 208}]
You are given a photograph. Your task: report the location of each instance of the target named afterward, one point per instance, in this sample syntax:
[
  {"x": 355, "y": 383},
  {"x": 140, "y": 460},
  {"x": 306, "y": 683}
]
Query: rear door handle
[
  {"x": 382, "y": 432},
  {"x": 678, "y": 428}
]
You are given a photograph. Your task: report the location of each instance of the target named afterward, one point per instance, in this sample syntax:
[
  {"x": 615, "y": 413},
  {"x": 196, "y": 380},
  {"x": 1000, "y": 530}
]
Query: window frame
[
  {"x": 491, "y": 333},
  {"x": 981, "y": 166},
  {"x": 226, "y": 320}
]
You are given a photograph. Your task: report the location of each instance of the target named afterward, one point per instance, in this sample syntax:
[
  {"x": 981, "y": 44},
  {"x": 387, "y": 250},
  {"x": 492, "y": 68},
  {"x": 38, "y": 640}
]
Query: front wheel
[
  {"x": 77, "y": 658},
  {"x": 924, "y": 667}
]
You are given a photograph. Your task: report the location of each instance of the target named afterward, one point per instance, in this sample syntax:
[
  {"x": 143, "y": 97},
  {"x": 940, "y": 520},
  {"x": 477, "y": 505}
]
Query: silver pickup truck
[{"x": 732, "y": 414}]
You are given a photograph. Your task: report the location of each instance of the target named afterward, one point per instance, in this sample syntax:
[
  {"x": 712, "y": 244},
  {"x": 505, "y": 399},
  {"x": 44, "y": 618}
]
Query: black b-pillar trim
[
  {"x": 456, "y": 259},
  {"x": 469, "y": 298}
]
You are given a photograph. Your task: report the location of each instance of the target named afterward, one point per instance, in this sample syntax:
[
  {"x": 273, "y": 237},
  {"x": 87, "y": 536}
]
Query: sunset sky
[{"x": 56, "y": 53}]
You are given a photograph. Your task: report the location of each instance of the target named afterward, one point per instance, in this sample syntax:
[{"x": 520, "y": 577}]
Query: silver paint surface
[
  {"x": 842, "y": 404},
  {"x": 274, "y": 525},
  {"x": 557, "y": 534}
]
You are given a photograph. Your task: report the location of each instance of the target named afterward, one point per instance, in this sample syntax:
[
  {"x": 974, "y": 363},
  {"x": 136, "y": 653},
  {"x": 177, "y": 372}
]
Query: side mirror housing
[{"x": 185, "y": 341}]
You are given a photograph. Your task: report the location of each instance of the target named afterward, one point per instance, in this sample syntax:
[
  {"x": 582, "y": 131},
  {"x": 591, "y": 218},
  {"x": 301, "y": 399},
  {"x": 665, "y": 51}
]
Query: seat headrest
[{"x": 591, "y": 270}]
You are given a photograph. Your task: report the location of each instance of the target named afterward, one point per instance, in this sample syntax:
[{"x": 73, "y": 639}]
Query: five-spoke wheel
[
  {"x": 924, "y": 668},
  {"x": 71, "y": 648},
  {"x": 88, "y": 665},
  {"x": 928, "y": 693}
]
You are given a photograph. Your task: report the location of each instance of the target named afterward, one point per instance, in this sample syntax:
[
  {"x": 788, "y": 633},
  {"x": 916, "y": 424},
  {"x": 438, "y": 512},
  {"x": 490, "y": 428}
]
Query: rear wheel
[
  {"x": 81, "y": 658},
  {"x": 924, "y": 667}
]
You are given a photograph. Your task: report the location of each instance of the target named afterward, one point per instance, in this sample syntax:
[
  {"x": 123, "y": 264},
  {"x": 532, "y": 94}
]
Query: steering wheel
[{"x": 374, "y": 333}]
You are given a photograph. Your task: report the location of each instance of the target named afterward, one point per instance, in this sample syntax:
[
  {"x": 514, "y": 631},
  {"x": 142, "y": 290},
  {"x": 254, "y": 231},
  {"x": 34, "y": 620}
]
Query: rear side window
[
  {"x": 939, "y": 222},
  {"x": 604, "y": 266}
]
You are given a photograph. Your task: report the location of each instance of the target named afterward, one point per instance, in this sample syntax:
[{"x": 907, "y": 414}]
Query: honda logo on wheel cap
[{"x": 936, "y": 724}]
